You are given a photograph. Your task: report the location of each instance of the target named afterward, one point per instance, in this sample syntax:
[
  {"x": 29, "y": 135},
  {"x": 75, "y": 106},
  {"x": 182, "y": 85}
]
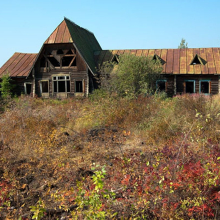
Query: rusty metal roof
[
  {"x": 60, "y": 35},
  {"x": 84, "y": 40},
  {"x": 19, "y": 65},
  {"x": 177, "y": 61}
]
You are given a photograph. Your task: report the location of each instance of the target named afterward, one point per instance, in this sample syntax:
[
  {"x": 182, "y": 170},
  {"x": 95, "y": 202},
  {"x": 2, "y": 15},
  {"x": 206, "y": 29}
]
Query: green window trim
[
  {"x": 187, "y": 90},
  {"x": 205, "y": 85}
]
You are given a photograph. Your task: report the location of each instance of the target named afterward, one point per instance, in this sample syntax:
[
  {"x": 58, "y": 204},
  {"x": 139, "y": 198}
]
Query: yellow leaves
[{"x": 23, "y": 186}]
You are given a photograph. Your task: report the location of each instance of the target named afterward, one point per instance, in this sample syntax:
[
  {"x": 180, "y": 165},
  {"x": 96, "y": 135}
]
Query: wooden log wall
[{"x": 214, "y": 82}]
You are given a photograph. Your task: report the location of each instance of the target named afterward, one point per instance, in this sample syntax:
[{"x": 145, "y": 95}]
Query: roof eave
[{"x": 84, "y": 59}]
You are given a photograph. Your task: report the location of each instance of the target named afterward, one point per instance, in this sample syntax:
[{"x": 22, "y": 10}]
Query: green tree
[
  {"x": 183, "y": 44},
  {"x": 6, "y": 86},
  {"x": 131, "y": 76}
]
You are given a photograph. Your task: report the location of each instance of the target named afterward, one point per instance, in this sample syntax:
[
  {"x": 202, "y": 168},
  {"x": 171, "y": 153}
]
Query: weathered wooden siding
[
  {"x": 180, "y": 79},
  {"x": 76, "y": 73}
]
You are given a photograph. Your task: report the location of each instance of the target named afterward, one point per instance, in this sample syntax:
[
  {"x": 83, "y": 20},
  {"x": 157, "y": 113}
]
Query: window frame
[
  {"x": 55, "y": 78},
  {"x": 25, "y": 88},
  {"x": 41, "y": 88},
  {"x": 161, "y": 80},
  {"x": 205, "y": 80},
  {"x": 194, "y": 85},
  {"x": 82, "y": 86}
]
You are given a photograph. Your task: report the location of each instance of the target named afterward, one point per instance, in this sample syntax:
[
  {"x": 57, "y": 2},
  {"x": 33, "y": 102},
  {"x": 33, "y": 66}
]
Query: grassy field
[{"x": 110, "y": 158}]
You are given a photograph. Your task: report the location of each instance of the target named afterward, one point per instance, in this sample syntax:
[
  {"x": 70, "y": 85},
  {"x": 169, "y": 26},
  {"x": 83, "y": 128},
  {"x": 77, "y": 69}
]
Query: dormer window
[
  {"x": 198, "y": 60},
  {"x": 115, "y": 59},
  {"x": 157, "y": 58}
]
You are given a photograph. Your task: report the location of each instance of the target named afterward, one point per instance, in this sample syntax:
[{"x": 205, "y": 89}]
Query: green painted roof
[{"x": 85, "y": 42}]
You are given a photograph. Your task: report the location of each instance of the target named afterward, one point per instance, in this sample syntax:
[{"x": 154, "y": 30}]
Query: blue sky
[{"x": 117, "y": 24}]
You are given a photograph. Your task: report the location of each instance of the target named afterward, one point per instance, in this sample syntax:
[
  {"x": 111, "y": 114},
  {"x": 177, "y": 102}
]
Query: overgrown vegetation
[
  {"x": 6, "y": 86},
  {"x": 111, "y": 158},
  {"x": 130, "y": 76}
]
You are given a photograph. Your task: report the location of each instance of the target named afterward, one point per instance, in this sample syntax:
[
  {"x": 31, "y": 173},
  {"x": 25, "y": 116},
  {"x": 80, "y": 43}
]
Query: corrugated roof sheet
[
  {"x": 177, "y": 60},
  {"x": 19, "y": 65}
]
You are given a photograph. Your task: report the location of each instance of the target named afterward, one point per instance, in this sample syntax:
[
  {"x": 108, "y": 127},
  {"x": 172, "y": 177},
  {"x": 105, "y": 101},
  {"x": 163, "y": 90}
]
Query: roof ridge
[{"x": 65, "y": 18}]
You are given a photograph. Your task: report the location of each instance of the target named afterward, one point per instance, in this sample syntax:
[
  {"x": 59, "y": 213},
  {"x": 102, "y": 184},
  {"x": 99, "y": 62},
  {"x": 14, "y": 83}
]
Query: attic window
[
  {"x": 54, "y": 62},
  {"x": 198, "y": 60},
  {"x": 59, "y": 52},
  {"x": 115, "y": 58},
  {"x": 67, "y": 61},
  {"x": 157, "y": 58},
  {"x": 69, "y": 52}
]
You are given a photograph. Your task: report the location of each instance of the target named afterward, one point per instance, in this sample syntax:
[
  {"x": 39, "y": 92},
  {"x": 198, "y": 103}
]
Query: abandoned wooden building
[{"x": 66, "y": 66}]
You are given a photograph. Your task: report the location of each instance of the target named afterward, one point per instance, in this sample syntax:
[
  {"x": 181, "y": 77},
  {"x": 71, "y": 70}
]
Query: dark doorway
[{"x": 190, "y": 87}]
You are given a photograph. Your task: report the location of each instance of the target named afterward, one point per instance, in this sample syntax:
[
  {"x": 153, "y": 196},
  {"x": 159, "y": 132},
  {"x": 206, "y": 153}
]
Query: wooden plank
[
  {"x": 182, "y": 61},
  {"x": 204, "y": 68},
  {"x": 52, "y": 37},
  {"x": 216, "y": 53},
  {"x": 60, "y": 32},
  {"x": 176, "y": 61},
  {"x": 66, "y": 36},
  {"x": 169, "y": 65},
  {"x": 210, "y": 61},
  {"x": 189, "y": 58},
  {"x": 164, "y": 57},
  {"x": 197, "y": 68}
]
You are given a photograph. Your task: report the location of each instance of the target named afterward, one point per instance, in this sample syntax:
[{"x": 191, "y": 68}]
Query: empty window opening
[
  {"x": 204, "y": 87},
  {"x": 68, "y": 86},
  {"x": 27, "y": 88},
  {"x": 157, "y": 58},
  {"x": 73, "y": 62},
  {"x": 67, "y": 60},
  {"x": 54, "y": 62},
  {"x": 190, "y": 86},
  {"x": 61, "y": 84},
  {"x": 69, "y": 52},
  {"x": 44, "y": 86},
  {"x": 115, "y": 59},
  {"x": 179, "y": 87},
  {"x": 59, "y": 52},
  {"x": 79, "y": 86},
  {"x": 161, "y": 85},
  {"x": 198, "y": 60}
]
